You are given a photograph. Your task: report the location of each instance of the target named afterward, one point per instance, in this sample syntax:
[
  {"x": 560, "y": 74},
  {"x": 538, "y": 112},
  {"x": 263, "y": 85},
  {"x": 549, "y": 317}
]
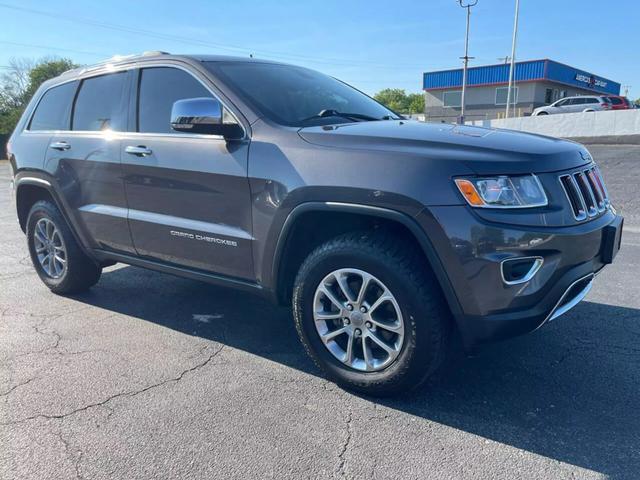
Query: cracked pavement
[{"x": 151, "y": 376}]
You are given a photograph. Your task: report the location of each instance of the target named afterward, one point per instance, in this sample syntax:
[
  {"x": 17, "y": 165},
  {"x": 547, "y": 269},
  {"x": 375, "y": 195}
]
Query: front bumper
[{"x": 472, "y": 250}]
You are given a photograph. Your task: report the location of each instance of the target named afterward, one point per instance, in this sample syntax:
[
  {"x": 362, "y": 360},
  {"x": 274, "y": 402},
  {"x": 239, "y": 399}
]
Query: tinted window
[
  {"x": 159, "y": 89},
  {"x": 53, "y": 110},
  {"x": 615, "y": 100},
  {"x": 503, "y": 92},
  {"x": 591, "y": 100},
  {"x": 451, "y": 99},
  {"x": 101, "y": 103},
  {"x": 296, "y": 96}
]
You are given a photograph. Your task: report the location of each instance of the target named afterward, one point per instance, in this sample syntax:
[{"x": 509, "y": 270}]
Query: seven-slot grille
[{"x": 586, "y": 192}]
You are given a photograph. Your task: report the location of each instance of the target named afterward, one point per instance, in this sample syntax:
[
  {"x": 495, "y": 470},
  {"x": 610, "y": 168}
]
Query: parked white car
[{"x": 584, "y": 103}]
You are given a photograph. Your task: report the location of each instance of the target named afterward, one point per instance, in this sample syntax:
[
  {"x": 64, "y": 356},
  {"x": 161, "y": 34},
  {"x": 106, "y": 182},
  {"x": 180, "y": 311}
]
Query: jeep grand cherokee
[{"x": 385, "y": 235}]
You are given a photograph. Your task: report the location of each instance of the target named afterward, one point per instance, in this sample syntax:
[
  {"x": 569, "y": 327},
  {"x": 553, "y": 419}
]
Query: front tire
[
  {"x": 371, "y": 314},
  {"x": 57, "y": 258}
]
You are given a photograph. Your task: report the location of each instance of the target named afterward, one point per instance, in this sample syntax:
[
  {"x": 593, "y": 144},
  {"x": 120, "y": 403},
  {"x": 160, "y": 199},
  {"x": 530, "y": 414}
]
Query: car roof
[{"x": 124, "y": 60}]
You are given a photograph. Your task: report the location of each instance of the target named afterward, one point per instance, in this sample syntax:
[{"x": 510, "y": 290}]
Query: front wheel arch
[{"x": 285, "y": 266}]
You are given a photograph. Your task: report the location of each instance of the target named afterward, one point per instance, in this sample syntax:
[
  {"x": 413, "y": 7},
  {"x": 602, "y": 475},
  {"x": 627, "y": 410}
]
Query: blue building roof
[{"x": 530, "y": 71}]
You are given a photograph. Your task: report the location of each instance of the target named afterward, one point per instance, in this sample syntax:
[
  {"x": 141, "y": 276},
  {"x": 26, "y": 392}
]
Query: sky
[{"x": 369, "y": 44}]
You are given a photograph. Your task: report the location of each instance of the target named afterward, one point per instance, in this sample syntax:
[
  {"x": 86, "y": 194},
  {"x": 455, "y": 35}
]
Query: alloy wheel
[
  {"x": 358, "y": 319},
  {"x": 50, "y": 248}
]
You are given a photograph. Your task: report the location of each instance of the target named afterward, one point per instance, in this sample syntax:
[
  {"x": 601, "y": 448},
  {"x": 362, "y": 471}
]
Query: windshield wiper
[{"x": 349, "y": 116}]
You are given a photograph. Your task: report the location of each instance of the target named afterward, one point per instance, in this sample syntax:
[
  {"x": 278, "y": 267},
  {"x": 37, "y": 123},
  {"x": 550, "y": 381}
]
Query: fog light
[{"x": 520, "y": 270}]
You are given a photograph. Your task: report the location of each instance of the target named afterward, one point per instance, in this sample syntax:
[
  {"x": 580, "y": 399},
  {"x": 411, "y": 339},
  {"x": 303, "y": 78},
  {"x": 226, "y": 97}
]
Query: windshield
[{"x": 298, "y": 97}]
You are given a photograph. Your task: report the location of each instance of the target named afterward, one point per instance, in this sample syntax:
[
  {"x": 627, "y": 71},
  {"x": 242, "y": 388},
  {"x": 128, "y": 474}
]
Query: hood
[{"x": 482, "y": 150}]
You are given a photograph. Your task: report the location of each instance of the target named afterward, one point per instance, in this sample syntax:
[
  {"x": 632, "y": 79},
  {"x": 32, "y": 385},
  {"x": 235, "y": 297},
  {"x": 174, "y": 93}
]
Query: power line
[
  {"x": 46, "y": 47},
  {"x": 191, "y": 41}
]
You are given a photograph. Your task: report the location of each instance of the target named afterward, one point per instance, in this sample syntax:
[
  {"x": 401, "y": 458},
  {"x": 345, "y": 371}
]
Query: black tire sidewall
[{"x": 415, "y": 358}]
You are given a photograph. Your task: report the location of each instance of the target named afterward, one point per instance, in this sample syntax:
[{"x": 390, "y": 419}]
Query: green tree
[
  {"x": 398, "y": 100},
  {"x": 18, "y": 85},
  {"x": 637, "y": 102},
  {"x": 416, "y": 103},
  {"x": 393, "y": 98}
]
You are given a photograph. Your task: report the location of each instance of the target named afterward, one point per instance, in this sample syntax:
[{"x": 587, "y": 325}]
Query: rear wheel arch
[
  {"x": 299, "y": 237},
  {"x": 28, "y": 192}
]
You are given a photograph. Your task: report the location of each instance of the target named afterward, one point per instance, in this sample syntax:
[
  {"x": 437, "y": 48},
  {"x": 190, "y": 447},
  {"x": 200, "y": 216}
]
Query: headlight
[{"x": 503, "y": 191}]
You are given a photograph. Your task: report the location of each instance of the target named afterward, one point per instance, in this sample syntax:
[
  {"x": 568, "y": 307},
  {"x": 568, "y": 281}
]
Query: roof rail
[
  {"x": 149, "y": 53},
  {"x": 115, "y": 58}
]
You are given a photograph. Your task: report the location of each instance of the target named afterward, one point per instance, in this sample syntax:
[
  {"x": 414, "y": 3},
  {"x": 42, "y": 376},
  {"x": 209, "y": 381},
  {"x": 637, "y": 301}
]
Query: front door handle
[
  {"x": 139, "y": 150},
  {"x": 60, "y": 145}
]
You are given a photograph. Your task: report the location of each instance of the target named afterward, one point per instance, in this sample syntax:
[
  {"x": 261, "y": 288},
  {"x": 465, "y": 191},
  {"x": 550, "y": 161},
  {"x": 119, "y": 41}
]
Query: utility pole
[
  {"x": 626, "y": 90},
  {"x": 505, "y": 59},
  {"x": 513, "y": 58},
  {"x": 465, "y": 4}
]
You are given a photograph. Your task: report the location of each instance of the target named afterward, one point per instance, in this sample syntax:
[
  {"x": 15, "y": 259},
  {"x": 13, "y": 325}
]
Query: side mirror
[{"x": 197, "y": 115}]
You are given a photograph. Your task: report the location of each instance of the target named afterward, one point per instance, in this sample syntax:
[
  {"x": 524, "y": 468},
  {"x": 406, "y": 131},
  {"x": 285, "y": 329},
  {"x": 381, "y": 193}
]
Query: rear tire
[
  {"x": 415, "y": 300},
  {"x": 58, "y": 259},
  {"x": 542, "y": 113}
]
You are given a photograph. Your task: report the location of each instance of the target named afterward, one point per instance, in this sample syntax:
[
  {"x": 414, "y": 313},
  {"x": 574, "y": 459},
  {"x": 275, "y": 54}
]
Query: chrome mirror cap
[{"x": 197, "y": 115}]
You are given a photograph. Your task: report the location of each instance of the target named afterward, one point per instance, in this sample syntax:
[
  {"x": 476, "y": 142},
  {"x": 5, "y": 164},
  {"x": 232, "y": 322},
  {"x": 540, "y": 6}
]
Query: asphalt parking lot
[{"x": 152, "y": 376}]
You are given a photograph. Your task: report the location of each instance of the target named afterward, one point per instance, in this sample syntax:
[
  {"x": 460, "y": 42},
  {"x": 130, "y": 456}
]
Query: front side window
[
  {"x": 452, "y": 99},
  {"x": 52, "y": 112},
  {"x": 101, "y": 104},
  {"x": 159, "y": 88},
  {"x": 296, "y": 96}
]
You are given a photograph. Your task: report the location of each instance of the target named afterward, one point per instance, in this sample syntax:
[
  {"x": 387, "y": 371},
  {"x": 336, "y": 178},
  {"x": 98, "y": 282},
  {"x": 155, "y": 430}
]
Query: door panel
[
  {"x": 189, "y": 202},
  {"x": 86, "y": 161},
  {"x": 188, "y": 195},
  {"x": 89, "y": 175}
]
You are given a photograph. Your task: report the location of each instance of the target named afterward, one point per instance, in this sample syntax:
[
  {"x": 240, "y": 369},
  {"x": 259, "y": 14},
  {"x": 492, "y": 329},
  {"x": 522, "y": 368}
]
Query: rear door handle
[
  {"x": 139, "y": 150},
  {"x": 60, "y": 145}
]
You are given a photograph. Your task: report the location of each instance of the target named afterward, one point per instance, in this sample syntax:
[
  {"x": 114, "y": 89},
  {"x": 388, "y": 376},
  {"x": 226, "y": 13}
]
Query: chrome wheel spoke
[
  {"x": 332, "y": 298},
  {"x": 327, "y": 316},
  {"x": 51, "y": 263},
  {"x": 327, "y": 337},
  {"x": 341, "y": 280},
  {"x": 40, "y": 238},
  {"x": 385, "y": 297},
  {"x": 366, "y": 279},
  {"x": 397, "y": 326},
  {"x": 366, "y": 353},
  {"x": 348, "y": 357},
  {"x": 381, "y": 343}
]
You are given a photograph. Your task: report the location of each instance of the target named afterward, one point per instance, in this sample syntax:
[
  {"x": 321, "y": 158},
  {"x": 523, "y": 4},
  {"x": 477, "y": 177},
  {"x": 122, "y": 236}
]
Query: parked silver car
[{"x": 584, "y": 103}]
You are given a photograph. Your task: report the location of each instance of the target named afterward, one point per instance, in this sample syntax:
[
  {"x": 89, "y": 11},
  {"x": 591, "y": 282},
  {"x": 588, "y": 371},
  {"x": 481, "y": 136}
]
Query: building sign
[{"x": 591, "y": 80}]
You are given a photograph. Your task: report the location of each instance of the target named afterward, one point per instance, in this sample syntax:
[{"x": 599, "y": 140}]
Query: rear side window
[
  {"x": 100, "y": 104},
  {"x": 160, "y": 87},
  {"x": 52, "y": 112},
  {"x": 614, "y": 100}
]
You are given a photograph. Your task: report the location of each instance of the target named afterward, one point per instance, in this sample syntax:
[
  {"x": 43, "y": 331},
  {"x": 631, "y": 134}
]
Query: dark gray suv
[{"x": 386, "y": 236}]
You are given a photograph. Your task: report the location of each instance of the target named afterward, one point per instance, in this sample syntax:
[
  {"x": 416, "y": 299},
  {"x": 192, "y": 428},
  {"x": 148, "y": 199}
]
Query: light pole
[
  {"x": 513, "y": 58},
  {"x": 465, "y": 4}
]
